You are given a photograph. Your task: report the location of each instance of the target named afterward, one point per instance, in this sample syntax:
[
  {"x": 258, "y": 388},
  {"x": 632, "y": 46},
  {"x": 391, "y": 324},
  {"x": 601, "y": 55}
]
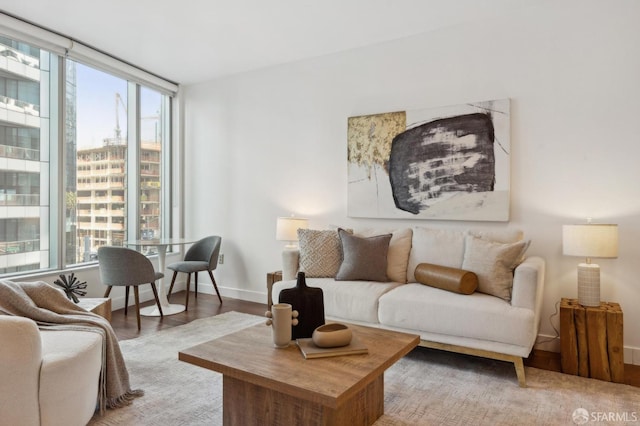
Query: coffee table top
[{"x": 249, "y": 355}]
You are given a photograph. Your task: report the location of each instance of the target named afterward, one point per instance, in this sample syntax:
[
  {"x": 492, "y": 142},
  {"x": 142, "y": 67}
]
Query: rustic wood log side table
[
  {"x": 591, "y": 340},
  {"x": 272, "y": 277}
]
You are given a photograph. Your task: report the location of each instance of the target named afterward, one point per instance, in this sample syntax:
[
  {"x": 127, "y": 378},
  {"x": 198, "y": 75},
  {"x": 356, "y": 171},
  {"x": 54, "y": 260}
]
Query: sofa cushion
[
  {"x": 445, "y": 278},
  {"x": 436, "y": 246},
  {"x": 344, "y": 300},
  {"x": 69, "y": 375},
  {"x": 363, "y": 258},
  {"x": 398, "y": 254},
  {"x": 320, "y": 253},
  {"x": 494, "y": 263},
  {"x": 477, "y": 316}
]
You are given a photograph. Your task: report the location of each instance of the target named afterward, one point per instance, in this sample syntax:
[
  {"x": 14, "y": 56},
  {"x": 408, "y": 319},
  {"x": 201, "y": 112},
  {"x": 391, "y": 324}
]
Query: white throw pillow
[
  {"x": 493, "y": 263},
  {"x": 398, "y": 254},
  {"x": 443, "y": 247}
]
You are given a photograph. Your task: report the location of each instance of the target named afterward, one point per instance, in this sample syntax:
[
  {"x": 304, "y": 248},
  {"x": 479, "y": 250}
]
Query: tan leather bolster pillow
[{"x": 446, "y": 278}]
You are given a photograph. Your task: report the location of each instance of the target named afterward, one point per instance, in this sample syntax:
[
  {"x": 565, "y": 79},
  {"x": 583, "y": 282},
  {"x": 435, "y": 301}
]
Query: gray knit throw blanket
[{"x": 51, "y": 310}]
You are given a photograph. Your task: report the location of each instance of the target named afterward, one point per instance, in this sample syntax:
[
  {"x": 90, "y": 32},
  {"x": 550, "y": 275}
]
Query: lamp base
[{"x": 589, "y": 284}]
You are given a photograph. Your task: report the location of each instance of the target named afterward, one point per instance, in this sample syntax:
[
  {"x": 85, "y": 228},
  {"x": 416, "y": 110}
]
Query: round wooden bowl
[{"x": 331, "y": 335}]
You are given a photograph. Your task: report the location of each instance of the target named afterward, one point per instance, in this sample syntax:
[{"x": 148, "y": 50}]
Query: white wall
[{"x": 273, "y": 142}]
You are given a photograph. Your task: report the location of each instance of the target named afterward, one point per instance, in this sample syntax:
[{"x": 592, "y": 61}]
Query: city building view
[
  {"x": 94, "y": 181},
  {"x": 100, "y": 199},
  {"x": 22, "y": 135}
]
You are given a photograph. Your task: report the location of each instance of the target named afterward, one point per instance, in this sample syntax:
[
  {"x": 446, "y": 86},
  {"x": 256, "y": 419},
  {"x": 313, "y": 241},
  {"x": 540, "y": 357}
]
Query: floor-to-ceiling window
[
  {"x": 96, "y": 180},
  {"x": 68, "y": 131}
]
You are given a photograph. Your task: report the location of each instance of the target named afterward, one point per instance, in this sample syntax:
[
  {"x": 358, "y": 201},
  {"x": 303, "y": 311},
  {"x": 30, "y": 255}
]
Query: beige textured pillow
[
  {"x": 399, "y": 249},
  {"x": 493, "y": 263},
  {"x": 450, "y": 279},
  {"x": 320, "y": 253},
  {"x": 364, "y": 258}
]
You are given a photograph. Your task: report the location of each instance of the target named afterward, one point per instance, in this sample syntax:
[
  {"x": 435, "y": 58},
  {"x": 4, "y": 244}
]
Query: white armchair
[{"x": 47, "y": 377}]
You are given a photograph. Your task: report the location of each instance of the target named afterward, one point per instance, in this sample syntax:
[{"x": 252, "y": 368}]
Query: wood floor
[{"x": 206, "y": 305}]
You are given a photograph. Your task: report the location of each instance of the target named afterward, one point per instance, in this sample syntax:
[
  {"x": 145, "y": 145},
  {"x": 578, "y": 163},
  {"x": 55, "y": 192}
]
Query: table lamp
[
  {"x": 287, "y": 229},
  {"x": 590, "y": 240}
]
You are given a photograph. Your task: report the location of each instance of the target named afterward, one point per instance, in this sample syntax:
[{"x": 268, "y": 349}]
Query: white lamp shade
[
  {"x": 590, "y": 240},
  {"x": 287, "y": 228}
]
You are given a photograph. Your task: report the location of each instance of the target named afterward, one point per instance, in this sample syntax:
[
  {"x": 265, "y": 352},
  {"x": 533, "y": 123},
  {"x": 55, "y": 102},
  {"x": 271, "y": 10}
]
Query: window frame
[
  {"x": 132, "y": 166},
  {"x": 53, "y": 151}
]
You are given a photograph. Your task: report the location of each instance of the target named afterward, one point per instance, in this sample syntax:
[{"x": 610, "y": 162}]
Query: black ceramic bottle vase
[{"x": 309, "y": 302}]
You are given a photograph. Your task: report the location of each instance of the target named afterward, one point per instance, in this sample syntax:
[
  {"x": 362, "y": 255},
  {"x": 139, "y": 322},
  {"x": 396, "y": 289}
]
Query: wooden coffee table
[{"x": 263, "y": 385}]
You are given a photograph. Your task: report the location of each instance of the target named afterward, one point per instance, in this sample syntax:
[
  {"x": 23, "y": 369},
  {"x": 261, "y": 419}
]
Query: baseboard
[
  {"x": 547, "y": 343},
  {"x": 631, "y": 355},
  {"x": 234, "y": 293},
  {"x": 146, "y": 294}
]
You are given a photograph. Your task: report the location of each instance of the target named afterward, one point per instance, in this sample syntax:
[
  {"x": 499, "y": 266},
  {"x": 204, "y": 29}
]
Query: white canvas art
[{"x": 447, "y": 163}]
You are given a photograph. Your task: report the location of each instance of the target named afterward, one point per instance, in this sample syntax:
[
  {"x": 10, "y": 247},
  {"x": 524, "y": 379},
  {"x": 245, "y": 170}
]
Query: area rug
[{"x": 427, "y": 387}]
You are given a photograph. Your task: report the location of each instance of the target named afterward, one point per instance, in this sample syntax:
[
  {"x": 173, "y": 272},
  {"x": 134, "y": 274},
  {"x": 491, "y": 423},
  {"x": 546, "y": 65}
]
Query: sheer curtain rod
[{"x": 60, "y": 44}]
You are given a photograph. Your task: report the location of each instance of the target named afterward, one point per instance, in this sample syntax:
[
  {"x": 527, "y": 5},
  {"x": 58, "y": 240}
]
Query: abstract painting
[{"x": 447, "y": 163}]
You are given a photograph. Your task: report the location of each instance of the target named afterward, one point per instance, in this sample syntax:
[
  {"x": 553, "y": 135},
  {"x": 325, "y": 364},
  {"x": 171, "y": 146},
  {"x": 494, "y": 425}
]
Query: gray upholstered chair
[
  {"x": 121, "y": 266},
  {"x": 201, "y": 256}
]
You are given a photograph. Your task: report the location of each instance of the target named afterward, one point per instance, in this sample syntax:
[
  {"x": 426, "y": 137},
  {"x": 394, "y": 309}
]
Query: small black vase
[{"x": 309, "y": 302}]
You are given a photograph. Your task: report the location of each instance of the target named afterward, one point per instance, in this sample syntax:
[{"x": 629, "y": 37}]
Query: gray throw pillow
[{"x": 363, "y": 258}]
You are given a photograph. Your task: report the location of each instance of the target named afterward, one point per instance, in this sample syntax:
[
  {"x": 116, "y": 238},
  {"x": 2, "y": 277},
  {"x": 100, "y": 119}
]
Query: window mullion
[
  {"x": 167, "y": 148},
  {"x": 52, "y": 132},
  {"x": 132, "y": 180}
]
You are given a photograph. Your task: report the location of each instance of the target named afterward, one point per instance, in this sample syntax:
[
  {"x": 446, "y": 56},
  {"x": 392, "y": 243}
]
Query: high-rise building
[
  {"x": 24, "y": 169},
  {"x": 101, "y": 195}
]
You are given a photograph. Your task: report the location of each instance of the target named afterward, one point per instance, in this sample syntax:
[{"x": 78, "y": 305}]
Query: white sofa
[
  {"x": 48, "y": 377},
  {"x": 479, "y": 324}
]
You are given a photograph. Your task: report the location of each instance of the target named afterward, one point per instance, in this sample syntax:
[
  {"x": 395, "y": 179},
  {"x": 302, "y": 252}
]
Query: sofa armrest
[
  {"x": 528, "y": 285},
  {"x": 290, "y": 259},
  {"x": 20, "y": 360}
]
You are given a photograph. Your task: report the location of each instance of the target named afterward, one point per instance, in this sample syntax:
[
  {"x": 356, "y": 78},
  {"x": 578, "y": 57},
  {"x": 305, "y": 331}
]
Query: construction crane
[{"x": 118, "y": 132}]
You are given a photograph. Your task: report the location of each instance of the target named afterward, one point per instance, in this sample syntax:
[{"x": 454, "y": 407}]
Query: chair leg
[
  {"x": 173, "y": 281},
  {"x": 126, "y": 299},
  {"x": 196, "y": 274},
  {"x": 213, "y": 280},
  {"x": 137, "y": 297},
  {"x": 155, "y": 294},
  {"x": 108, "y": 291},
  {"x": 186, "y": 303}
]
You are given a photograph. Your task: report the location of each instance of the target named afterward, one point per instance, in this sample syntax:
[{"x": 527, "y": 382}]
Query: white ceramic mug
[{"x": 281, "y": 320}]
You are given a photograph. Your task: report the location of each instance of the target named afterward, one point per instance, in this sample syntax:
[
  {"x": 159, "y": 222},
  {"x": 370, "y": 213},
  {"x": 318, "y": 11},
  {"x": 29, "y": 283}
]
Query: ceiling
[{"x": 191, "y": 41}]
